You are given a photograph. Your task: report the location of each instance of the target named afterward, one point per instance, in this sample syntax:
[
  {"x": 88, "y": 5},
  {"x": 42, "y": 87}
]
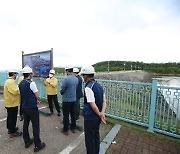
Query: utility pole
[{"x": 108, "y": 64}]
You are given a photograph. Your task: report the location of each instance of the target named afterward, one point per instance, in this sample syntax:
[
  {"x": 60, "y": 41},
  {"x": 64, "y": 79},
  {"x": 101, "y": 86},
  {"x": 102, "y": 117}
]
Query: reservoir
[{"x": 171, "y": 95}]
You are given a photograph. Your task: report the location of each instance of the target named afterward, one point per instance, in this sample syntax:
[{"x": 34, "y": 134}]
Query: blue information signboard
[{"x": 40, "y": 62}]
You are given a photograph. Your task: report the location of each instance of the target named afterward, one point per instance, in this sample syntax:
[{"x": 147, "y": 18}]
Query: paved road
[{"x": 50, "y": 126}]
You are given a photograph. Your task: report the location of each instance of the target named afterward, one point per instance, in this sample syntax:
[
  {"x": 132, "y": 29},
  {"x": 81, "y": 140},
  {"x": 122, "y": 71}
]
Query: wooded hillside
[
  {"x": 105, "y": 66},
  {"x": 163, "y": 68}
]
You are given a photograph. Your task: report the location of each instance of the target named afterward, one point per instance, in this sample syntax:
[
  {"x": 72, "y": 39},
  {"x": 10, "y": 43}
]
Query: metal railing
[{"x": 146, "y": 104}]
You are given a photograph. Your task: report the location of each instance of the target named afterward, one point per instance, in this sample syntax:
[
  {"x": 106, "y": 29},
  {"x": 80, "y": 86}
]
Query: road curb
[{"x": 109, "y": 138}]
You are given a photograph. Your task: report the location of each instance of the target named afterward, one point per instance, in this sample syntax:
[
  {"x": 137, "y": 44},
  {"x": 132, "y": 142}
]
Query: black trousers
[
  {"x": 33, "y": 116},
  {"x": 69, "y": 108},
  {"x": 20, "y": 110},
  {"x": 12, "y": 118},
  {"x": 51, "y": 99},
  {"x": 92, "y": 137},
  {"x": 77, "y": 108}
]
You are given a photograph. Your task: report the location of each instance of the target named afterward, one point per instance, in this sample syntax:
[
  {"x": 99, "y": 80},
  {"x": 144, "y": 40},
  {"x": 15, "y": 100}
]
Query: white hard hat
[
  {"x": 52, "y": 71},
  {"x": 87, "y": 70},
  {"x": 75, "y": 70},
  {"x": 13, "y": 71},
  {"x": 68, "y": 67},
  {"x": 27, "y": 69}
]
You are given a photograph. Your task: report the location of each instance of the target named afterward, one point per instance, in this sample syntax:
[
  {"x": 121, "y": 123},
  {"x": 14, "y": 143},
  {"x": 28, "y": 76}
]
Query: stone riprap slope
[{"x": 134, "y": 76}]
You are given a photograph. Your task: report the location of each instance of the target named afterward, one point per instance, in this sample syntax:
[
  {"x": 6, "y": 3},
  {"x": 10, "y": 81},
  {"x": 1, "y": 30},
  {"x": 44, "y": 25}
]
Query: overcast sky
[{"x": 85, "y": 32}]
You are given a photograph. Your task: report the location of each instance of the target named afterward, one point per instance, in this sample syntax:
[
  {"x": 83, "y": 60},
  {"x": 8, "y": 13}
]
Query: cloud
[{"x": 85, "y": 32}]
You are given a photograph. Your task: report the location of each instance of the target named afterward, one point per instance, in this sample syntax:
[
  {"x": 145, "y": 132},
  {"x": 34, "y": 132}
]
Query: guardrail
[{"x": 145, "y": 104}]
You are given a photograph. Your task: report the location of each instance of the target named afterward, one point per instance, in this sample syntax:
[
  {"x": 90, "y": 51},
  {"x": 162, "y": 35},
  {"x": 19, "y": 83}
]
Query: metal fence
[{"x": 146, "y": 104}]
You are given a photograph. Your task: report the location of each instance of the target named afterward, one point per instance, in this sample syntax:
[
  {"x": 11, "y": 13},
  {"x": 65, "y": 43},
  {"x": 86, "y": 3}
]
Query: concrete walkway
[
  {"x": 50, "y": 127},
  {"x": 126, "y": 141}
]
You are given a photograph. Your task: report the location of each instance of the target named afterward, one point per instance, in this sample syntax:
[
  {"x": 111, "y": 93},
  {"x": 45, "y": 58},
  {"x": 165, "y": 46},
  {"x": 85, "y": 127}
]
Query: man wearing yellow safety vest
[
  {"x": 11, "y": 100},
  {"x": 51, "y": 84}
]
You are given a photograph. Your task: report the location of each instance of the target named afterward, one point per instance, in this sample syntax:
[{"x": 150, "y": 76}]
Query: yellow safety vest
[
  {"x": 20, "y": 79},
  {"x": 51, "y": 86},
  {"x": 11, "y": 93}
]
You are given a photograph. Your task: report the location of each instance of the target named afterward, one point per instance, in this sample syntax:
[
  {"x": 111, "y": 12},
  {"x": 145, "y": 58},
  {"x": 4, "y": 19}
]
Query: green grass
[
  {"x": 138, "y": 129},
  {"x": 43, "y": 101},
  {"x": 1, "y": 87}
]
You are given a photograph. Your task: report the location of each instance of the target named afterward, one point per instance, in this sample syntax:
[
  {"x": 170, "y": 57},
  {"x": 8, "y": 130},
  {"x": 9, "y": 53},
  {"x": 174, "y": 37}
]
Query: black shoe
[
  {"x": 16, "y": 134},
  {"x": 64, "y": 132},
  {"x": 50, "y": 113},
  {"x": 38, "y": 148},
  {"x": 10, "y": 132},
  {"x": 59, "y": 114},
  {"x": 21, "y": 118},
  {"x": 27, "y": 145},
  {"x": 73, "y": 130}
]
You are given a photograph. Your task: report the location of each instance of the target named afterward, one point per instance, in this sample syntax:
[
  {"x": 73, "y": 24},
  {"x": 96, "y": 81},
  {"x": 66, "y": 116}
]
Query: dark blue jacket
[
  {"x": 88, "y": 113},
  {"x": 28, "y": 99},
  {"x": 79, "y": 93}
]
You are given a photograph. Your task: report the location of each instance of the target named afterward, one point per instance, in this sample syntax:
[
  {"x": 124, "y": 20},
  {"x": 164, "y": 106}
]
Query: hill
[{"x": 162, "y": 68}]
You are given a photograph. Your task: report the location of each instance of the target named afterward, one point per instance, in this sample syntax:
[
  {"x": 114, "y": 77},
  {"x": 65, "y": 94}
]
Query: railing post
[{"x": 152, "y": 105}]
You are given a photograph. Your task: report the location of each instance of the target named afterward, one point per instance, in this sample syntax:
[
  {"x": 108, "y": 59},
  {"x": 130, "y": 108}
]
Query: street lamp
[{"x": 124, "y": 66}]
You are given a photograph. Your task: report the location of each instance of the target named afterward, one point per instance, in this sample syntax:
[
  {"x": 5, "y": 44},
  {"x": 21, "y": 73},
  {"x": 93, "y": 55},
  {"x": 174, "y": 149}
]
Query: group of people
[{"x": 26, "y": 94}]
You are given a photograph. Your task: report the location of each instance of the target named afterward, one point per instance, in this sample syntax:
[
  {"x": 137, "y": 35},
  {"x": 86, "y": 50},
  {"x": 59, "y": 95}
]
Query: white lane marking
[
  {"x": 73, "y": 145},
  {"x": 40, "y": 108},
  {"x": 4, "y": 119},
  {"x": 1, "y": 120}
]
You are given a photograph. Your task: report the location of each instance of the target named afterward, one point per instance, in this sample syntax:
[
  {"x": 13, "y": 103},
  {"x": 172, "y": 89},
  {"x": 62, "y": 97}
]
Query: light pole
[{"x": 124, "y": 66}]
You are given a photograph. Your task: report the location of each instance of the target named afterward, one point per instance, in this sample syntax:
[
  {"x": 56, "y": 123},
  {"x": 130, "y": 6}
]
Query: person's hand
[
  {"x": 103, "y": 118},
  {"x": 38, "y": 102}
]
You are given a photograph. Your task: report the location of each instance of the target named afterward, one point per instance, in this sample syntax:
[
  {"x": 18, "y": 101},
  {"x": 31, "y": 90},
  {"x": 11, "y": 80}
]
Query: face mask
[
  {"x": 50, "y": 75},
  {"x": 16, "y": 77},
  {"x": 82, "y": 79},
  {"x": 30, "y": 76}
]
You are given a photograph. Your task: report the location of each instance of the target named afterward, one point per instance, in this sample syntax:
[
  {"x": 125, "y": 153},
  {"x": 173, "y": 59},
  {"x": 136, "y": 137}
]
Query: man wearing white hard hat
[
  {"x": 93, "y": 111},
  {"x": 30, "y": 101},
  {"x": 79, "y": 93},
  {"x": 51, "y": 84},
  {"x": 11, "y": 102},
  {"x": 68, "y": 92}
]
